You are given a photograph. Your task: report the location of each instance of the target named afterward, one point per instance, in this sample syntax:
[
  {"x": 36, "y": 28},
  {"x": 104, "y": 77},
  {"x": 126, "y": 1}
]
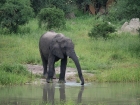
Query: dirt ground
[{"x": 38, "y": 69}]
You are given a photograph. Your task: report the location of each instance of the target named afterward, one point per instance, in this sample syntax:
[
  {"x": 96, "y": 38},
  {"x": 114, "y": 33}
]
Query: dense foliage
[
  {"x": 65, "y": 5},
  {"x": 18, "y": 12},
  {"x": 124, "y": 9},
  {"x": 37, "y": 5},
  {"x": 51, "y": 18},
  {"x": 101, "y": 30},
  {"x": 14, "y": 13}
]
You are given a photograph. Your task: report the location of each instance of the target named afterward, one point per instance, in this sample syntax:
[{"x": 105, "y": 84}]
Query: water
[{"x": 93, "y": 94}]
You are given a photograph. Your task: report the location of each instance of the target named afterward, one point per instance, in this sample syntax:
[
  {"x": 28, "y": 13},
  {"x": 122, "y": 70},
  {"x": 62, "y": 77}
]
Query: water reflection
[
  {"x": 49, "y": 93},
  {"x": 79, "y": 100},
  {"x": 54, "y": 93},
  {"x": 62, "y": 92}
]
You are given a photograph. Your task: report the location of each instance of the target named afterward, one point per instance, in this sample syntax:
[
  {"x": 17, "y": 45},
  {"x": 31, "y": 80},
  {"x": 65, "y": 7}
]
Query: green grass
[
  {"x": 108, "y": 56},
  {"x": 130, "y": 74},
  {"x": 13, "y": 74}
]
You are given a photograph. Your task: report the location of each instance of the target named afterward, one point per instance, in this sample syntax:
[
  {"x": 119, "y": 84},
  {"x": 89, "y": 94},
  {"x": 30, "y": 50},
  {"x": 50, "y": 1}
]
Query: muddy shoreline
[{"x": 38, "y": 69}]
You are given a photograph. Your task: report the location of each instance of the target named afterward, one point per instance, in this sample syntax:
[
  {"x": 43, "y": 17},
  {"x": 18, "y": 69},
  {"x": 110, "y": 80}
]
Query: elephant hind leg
[{"x": 45, "y": 63}]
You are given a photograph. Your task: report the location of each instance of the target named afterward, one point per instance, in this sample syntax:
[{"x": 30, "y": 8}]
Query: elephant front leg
[
  {"x": 45, "y": 63},
  {"x": 63, "y": 70},
  {"x": 51, "y": 71}
]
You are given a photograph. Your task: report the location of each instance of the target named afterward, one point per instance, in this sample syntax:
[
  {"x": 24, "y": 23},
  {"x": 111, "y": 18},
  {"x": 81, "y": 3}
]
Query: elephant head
[{"x": 62, "y": 46}]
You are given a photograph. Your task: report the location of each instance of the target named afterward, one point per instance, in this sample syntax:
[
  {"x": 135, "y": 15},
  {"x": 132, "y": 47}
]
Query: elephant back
[{"x": 45, "y": 41}]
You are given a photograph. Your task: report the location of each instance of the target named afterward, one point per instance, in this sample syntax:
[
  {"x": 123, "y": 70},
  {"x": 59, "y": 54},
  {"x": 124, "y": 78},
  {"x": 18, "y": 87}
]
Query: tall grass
[
  {"x": 110, "y": 55},
  {"x": 14, "y": 74}
]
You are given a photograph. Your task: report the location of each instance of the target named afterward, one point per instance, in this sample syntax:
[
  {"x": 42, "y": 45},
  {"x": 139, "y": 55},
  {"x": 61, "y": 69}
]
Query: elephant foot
[
  {"x": 82, "y": 83},
  {"x": 61, "y": 81},
  {"x": 49, "y": 81},
  {"x": 45, "y": 76},
  {"x": 54, "y": 76}
]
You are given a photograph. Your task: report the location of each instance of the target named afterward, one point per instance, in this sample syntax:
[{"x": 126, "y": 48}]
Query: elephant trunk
[{"x": 76, "y": 61}]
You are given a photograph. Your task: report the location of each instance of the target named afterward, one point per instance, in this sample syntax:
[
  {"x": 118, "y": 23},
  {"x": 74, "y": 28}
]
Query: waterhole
[{"x": 55, "y": 94}]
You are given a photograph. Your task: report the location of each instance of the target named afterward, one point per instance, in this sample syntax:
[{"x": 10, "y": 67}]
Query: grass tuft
[{"x": 13, "y": 74}]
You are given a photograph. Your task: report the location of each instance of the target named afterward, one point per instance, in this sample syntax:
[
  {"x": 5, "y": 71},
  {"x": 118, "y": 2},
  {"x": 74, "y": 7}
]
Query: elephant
[{"x": 54, "y": 46}]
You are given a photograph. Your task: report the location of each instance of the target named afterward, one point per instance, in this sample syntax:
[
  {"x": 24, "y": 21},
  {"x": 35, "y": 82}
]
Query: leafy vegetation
[
  {"x": 124, "y": 10},
  {"x": 14, "y": 13},
  {"x": 101, "y": 30},
  {"x": 37, "y": 5},
  {"x": 65, "y": 5},
  {"x": 51, "y": 18}
]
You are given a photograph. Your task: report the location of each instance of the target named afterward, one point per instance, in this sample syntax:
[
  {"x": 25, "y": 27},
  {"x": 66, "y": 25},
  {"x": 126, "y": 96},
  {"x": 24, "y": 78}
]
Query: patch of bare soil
[{"x": 38, "y": 69}]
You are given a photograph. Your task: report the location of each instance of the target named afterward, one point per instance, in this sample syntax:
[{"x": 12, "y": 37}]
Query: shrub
[
  {"x": 14, "y": 13},
  {"x": 101, "y": 30},
  {"x": 51, "y": 18}
]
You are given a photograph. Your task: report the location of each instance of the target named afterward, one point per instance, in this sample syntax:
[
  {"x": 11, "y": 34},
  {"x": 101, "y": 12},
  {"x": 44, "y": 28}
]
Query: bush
[
  {"x": 101, "y": 30},
  {"x": 14, "y": 13},
  {"x": 51, "y": 18}
]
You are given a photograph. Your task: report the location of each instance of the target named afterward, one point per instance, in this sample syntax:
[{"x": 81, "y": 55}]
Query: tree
[
  {"x": 37, "y": 5},
  {"x": 66, "y": 5},
  {"x": 124, "y": 9},
  {"x": 14, "y": 13},
  {"x": 84, "y": 4}
]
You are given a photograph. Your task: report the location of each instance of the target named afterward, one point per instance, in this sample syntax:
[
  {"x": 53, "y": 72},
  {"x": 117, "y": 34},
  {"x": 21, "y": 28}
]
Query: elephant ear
[{"x": 55, "y": 48}]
